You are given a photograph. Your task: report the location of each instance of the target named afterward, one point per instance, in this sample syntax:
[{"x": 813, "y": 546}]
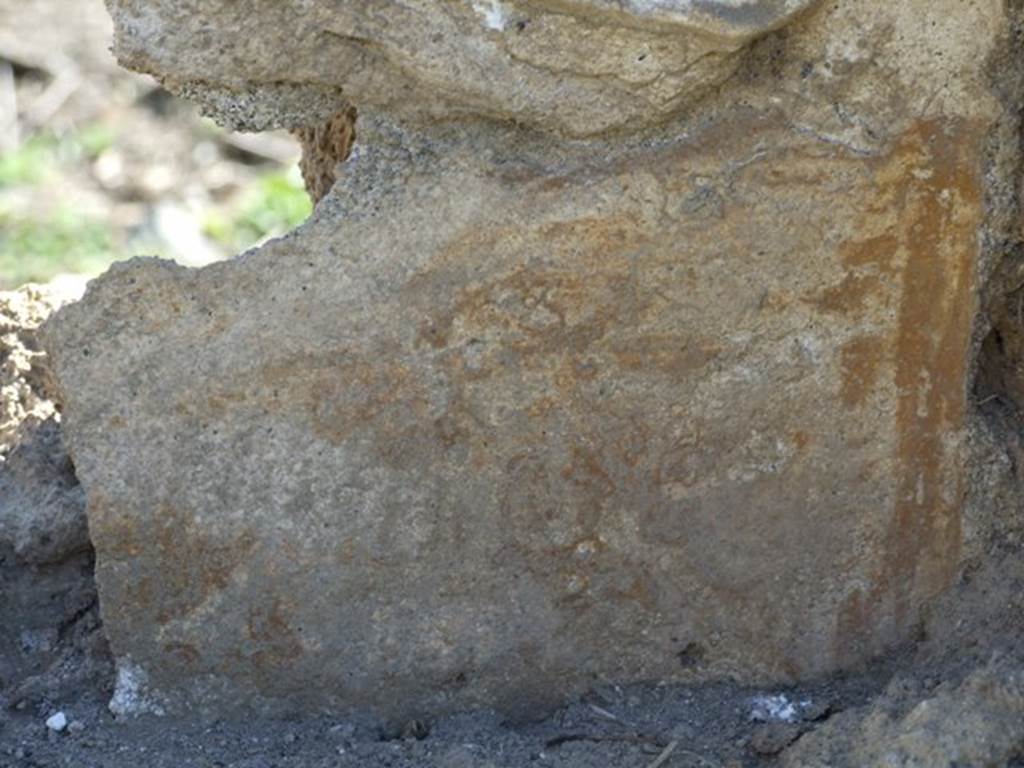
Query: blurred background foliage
[
  {"x": 98, "y": 164},
  {"x": 274, "y": 204}
]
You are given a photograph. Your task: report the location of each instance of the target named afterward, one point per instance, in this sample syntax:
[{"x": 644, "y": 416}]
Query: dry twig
[
  {"x": 558, "y": 741},
  {"x": 661, "y": 759},
  {"x": 609, "y": 715}
]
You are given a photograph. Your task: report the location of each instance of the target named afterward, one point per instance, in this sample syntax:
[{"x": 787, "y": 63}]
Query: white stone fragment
[
  {"x": 493, "y": 14},
  {"x": 131, "y": 698},
  {"x": 57, "y": 722},
  {"x": 778, "y": 708}
]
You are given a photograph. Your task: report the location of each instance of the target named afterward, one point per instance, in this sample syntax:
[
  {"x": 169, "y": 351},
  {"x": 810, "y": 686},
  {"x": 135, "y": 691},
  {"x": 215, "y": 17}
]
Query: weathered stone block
[
  {"x": 578, "y": 66},
  {"x": 511, "y": 415}
]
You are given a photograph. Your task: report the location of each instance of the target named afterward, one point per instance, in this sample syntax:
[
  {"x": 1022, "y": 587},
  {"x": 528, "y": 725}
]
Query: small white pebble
[
  {"x": 57, "y": 722},
  {"x": 766, "y": 709}
]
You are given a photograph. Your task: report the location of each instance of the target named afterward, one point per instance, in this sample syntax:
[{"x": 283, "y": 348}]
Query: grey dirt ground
[{"x": 695, "y": 727}]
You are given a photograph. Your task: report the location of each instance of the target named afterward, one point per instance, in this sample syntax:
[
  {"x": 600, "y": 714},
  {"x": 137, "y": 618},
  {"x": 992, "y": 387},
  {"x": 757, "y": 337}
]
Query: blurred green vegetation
[
  {"x": 37, "y": 250},
  {"x": 276, "y": 204},
  {"x": 37, "y": 243},
  {"x": 34, "y": 246},
  {"x": 29, "y": 164},
  {"x": 44, "y": 154}
]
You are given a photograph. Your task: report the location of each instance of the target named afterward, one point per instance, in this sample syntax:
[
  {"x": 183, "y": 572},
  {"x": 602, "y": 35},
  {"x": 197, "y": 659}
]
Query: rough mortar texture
[
  {"x": 25, "y": 391},
  {"x": 514, "y": 414},
  {"x": 324, "y": 147}
]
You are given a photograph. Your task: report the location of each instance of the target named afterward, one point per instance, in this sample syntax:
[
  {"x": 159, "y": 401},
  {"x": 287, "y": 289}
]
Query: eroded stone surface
[
  {"x": 42, "y": 506},
  {"x": 512, "y": 415},
  {"x": 978, "y": 722},
  {"x": 557, "y": 431},
  {"x": 577, "y": 67}
]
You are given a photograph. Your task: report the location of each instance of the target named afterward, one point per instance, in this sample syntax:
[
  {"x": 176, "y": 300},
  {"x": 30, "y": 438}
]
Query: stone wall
[{"x": 635, "y": 341}]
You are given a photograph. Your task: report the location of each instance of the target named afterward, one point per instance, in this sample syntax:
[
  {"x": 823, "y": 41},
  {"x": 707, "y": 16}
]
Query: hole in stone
[
  {"x": 692, "y": 655},
  {"x": 411, "y": 730},
  {"x": 457, "y": 681},
  {"x": 998, "y": 385}
]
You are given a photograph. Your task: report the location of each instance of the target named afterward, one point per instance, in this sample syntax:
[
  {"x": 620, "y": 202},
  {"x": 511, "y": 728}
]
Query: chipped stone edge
[{"x": 737, "y": 22}]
